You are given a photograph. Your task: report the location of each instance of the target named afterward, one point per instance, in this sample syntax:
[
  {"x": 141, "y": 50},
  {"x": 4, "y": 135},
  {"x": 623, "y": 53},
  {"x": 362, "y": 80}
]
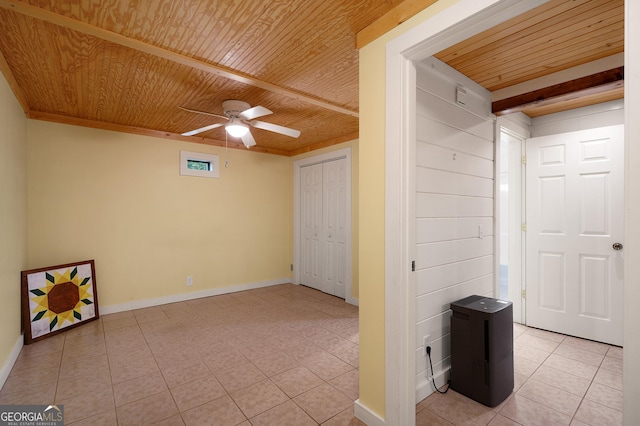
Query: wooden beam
[
  {"x": 396, "y": 16},
  {"x": 573, "y": 97},
  {"x": 589, "y": 85},
  {"x": 597, "y": 98},
  {"x": 94, "y": 124},
  {"x": 85, "y": 28}
]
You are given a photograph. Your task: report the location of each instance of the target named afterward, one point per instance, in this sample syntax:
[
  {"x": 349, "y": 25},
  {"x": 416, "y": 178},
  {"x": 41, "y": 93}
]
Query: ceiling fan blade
[
  {"x": 203, "y": 112},
  {"x": 202, "y": 129},
  {"x": 248, "y": 140},
  {"x": 255, "y": 112},
  {"x": 276, "y": 128}
]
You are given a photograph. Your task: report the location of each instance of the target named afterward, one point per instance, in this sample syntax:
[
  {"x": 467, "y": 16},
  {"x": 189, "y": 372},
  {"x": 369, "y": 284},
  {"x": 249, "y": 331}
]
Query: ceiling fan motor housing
[{"x": 233, "y": 108}]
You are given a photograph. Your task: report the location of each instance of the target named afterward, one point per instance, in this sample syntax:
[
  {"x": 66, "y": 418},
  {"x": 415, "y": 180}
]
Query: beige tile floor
[
  {"x": 282, "y": 355},
  {"x": 559, "y": 380}
]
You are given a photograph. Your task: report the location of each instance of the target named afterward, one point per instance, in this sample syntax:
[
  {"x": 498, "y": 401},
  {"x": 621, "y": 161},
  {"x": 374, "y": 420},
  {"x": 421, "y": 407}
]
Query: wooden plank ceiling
[
  {"x": 558, "y": 36},
  {"x": 129, "y": 65}
]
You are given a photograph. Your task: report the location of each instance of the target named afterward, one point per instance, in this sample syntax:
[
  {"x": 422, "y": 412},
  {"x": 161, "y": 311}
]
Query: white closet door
[
  {"x": 311, "y": 224},
  {"x": 324, "y": 226},
  {"x": 334, "y": 226}
]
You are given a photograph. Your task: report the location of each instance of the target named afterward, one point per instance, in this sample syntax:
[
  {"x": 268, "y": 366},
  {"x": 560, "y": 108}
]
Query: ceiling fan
[{"x": 241, "y": 116}]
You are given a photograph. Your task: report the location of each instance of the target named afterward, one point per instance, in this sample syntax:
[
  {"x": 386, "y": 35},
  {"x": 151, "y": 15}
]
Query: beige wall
[
  {"x": 355, "y": 161},
  {"x": 13, "y": 222},
  {"x": 371, "y": 205},
  {"x": 119, "y": 199},
  {"x": 372, "y": 367}
]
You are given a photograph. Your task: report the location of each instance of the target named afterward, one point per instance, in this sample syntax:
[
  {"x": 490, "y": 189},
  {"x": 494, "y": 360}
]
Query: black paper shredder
[{"x": 482, "y": 349}]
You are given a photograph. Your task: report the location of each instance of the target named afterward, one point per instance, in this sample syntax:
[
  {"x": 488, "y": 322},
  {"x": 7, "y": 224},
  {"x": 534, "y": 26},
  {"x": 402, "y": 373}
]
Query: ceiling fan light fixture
[{"x": 236, "y": 128}]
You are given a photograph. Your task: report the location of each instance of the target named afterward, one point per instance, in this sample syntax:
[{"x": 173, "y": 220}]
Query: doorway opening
[{"x": 512, "y": 221}]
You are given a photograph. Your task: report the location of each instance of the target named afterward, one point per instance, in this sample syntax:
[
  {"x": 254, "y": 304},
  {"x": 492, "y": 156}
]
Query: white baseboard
[
  {"x": 11, "y": 360},
  {"x": 353, "y": 301},
  {"x": 363, "y": 413},
  {"x": 139, "y": 304},
  {"x": 424, "y": 386}
]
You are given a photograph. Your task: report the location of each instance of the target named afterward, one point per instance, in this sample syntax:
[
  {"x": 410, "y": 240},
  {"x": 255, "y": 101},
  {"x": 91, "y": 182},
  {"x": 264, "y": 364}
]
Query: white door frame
[
  {"x": 631, "y": 205},
  {"x": 456, "y": 23},
  {"x": 517, "y": 132},
  {"x": 297, "y": 165}
]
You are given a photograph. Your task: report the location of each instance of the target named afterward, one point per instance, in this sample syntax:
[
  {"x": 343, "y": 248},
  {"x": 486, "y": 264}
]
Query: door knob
[{"x": 617, "y": 246}]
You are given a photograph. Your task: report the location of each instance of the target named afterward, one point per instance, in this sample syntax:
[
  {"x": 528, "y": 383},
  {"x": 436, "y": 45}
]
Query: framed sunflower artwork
[{"x": 58, "y": 298}]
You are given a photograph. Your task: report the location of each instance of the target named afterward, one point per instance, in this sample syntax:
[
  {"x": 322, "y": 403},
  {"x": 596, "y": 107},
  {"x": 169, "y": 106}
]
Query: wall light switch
[{"x": 189, "y": 280}]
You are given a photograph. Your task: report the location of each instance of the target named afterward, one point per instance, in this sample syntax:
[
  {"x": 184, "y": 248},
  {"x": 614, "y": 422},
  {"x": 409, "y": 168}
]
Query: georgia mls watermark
[{"x": 31, "y": 415}]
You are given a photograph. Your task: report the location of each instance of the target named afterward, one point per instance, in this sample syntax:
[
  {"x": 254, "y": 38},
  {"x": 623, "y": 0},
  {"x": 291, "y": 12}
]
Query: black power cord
[{"x": 432, "y": 378}]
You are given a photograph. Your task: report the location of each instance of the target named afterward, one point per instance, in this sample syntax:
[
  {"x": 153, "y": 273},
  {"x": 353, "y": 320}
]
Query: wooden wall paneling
[
  {"x": 443, "y": 182},
  {"x": 437, "y": 278},
  {"x": 439, "y": 205},
  {"x": 444, "y": 93},
  {"x": 439, "y": 301},
  {"x": 452, "y": 115},
  {"x": 440, "y": 349},
  {"x": 446, "y": 159},
  {"x": 435, "y": 229},
  {"x": 445, "y": 252},
  {"x": 437, "y": 325},
  {"x": 446, "y": 136},
  {"x": 454, "y": 190}
]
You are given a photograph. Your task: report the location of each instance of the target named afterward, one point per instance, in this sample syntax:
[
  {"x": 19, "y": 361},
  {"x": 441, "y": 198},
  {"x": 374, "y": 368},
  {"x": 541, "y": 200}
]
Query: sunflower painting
[{"x": 58, "y": 298}]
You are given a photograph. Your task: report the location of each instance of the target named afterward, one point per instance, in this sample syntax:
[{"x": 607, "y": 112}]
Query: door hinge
[
  {"x": 524, "y": 160},
  {"x": 413, "y": 266},
  {"x": 524, "y": 227},
  {"x": 524, "y": 294}
]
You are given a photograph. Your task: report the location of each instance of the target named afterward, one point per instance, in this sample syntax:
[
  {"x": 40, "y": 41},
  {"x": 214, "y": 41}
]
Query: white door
[
  {"x": 324, "y": 226},
  {"x": 334, "y": 226},
  {"x": 311, "y": 225},
  {"x": 574, "y": 198}
]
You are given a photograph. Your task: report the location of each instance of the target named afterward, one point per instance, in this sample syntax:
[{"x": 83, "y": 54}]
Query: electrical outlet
[
  {"x": 189, "y": 280},
  {"x": 426, "y": 341}
]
